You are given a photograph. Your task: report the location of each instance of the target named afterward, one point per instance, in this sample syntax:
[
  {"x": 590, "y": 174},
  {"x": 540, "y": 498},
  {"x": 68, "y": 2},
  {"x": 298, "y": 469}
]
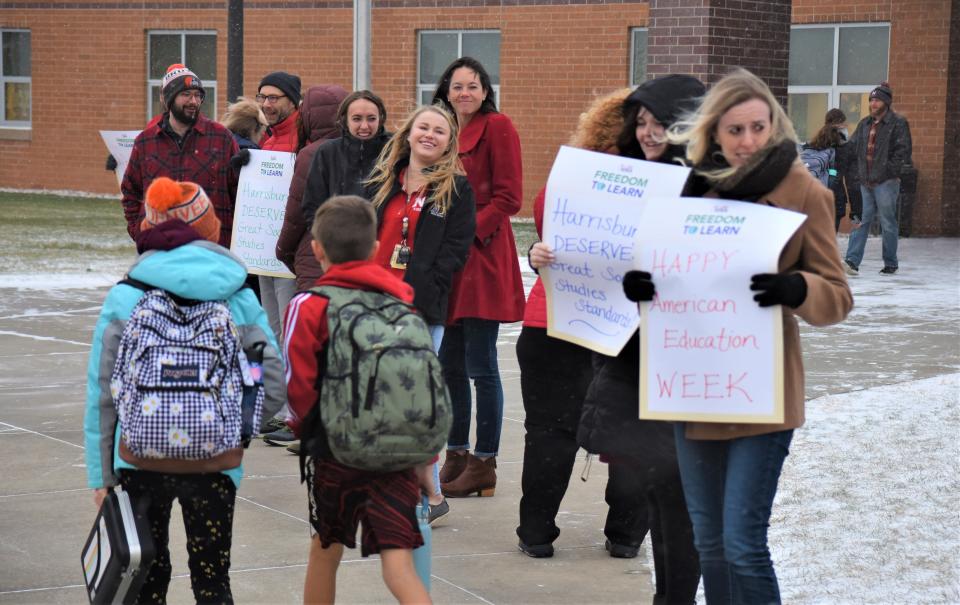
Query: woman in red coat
[{"x": 489, "y": 290}]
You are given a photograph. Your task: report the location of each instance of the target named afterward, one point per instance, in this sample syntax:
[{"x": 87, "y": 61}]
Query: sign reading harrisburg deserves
[
  {"x": 708, "y": 352},
  {"x": 258, "y": 215},
  {"x": 591, "y": 212}
]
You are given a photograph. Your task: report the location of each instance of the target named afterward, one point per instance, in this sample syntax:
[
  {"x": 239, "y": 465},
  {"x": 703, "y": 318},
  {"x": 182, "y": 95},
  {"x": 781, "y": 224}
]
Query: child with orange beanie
[{"x": 181, "y": 257}]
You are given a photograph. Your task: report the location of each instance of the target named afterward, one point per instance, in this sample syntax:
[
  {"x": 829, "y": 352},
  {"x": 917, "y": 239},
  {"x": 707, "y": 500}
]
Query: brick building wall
[
  {"x": 89, "y": 70},
  {"x": 919, "y": 49},
  {"x": 951, "y": 143},
  {"x": 705, "y": 38}
]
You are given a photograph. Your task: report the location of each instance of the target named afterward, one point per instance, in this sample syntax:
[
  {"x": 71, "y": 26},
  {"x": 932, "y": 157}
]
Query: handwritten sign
[
  {"x": 120, "y": 145},
  {"x": 258, "y": 215},
  {"x": 594, "y": 202},
  {"x": 708, "y": 352}
]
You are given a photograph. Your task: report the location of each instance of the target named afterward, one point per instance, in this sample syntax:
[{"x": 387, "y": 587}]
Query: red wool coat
[{"x": 490, "y": 286}]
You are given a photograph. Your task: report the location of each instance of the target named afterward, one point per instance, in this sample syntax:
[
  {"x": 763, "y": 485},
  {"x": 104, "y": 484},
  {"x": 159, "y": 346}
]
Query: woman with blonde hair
[
  {"x": 742, "y": 143},
  {"x": 425, "y": 210},
  {"x": 426, "y": 220}
]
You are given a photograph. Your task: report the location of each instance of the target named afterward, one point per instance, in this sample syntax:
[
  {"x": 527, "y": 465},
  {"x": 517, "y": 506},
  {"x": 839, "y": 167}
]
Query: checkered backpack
[{"x": 180, "y": 379}]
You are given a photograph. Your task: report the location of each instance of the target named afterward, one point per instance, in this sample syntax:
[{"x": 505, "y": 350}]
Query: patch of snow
[{"x": 58, "y": 281}]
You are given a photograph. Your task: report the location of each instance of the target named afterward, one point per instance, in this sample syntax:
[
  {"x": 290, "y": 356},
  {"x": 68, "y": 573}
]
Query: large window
[
  {"x": 15, "y": 78},
  {"x": 195, "y": 49},
  {"x": 441, "y": 48},
  {"x": 834, "y": 66},
  {"x": 638, "y": 56}
]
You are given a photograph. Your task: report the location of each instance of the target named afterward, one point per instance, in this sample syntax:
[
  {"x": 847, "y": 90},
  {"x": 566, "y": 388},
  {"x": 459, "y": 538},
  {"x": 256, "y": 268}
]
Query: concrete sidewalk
[{"x": 905, "y": 327}]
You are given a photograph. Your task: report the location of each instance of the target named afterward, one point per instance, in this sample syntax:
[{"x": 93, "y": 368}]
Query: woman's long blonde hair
[
  {"x": 697, "y": 131},
  {"x": 440, "y": 176}
]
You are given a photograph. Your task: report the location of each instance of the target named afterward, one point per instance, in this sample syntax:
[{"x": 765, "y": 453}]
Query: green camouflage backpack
[{"x": 383, "y": 403}]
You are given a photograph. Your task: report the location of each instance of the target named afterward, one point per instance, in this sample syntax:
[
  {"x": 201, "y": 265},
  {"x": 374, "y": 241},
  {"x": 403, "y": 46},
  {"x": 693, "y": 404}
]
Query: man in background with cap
[
  {"x": 183, "y": 145},
  {"x": 883, "y": 146}
]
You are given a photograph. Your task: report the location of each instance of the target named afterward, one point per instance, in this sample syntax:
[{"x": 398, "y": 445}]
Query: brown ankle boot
[
  {"x": 480, "y": 477},
  {"x": 454, "y": 463}
]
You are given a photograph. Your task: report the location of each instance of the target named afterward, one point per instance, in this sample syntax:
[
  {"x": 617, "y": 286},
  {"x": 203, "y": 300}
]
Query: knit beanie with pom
[{"x": 168, "y": 199}]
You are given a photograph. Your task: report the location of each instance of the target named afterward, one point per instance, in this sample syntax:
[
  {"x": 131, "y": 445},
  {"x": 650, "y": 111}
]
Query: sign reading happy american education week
[{"x": 708, "y": 352}]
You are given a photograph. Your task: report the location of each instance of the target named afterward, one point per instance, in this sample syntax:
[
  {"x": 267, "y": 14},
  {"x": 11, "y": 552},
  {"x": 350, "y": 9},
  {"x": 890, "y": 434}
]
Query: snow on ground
[{"x": 868, "y": 509}]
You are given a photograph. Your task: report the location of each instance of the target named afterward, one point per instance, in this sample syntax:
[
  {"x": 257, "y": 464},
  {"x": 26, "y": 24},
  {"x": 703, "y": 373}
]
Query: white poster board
[
  {"x": 708, "y": 352},
  {"x": 120, "y": 145},
  {"x": 593, "y": 206},
  {"x": 258, "y": 214}
]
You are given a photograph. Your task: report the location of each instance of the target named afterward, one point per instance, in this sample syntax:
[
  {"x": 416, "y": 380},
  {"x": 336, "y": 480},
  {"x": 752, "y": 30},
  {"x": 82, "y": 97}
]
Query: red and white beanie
[
  {"x": 168, "y": 199},
  {"x": 177, "y": 79}
]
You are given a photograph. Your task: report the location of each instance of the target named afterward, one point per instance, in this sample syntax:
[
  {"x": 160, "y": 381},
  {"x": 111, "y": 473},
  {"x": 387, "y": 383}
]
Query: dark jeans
[
  {"x": 730, "y": 486},
  {"x": 469, "y": 351},
  {"x": 206, "y": 501}
]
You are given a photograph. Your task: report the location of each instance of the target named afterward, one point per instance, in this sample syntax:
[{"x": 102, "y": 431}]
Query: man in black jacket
[{"x": 883, "y": 145}]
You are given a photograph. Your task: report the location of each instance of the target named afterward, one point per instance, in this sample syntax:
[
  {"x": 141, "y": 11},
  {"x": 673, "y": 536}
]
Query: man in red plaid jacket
[{"x": 184, "y": 145}]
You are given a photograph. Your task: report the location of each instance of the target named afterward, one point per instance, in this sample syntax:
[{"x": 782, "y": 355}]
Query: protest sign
[
  {"x": 258, "y": 216},
  {"x": 708, "y": 352},
  {"x": 592, "y": 209},
  {"x": 120, "y": 144}
]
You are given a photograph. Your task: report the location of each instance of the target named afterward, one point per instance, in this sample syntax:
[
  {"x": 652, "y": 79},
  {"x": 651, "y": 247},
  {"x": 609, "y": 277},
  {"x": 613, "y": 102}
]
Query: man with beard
[
  {"x": 183, "y": 145},
  {"x": 884, "y": 147},
  {"x": 279, "y": 98}
]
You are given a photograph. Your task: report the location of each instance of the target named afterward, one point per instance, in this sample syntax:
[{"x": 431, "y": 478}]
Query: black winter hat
[
  {"x": 667, "y": 97},
  {"x": 288, "y": 83},
  {"x": 883, "y": 92}
]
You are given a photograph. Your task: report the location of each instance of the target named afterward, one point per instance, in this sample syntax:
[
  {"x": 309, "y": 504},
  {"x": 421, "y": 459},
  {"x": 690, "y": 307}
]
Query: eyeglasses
[
  {"x": 269, "y": 98},
  {"x": 187, "y": 94}
]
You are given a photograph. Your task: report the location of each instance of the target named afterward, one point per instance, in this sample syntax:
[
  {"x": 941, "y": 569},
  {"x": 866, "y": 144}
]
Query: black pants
[
  {"x": 207, "y": 503},
  {"x": 646, "y": 477},
  {"x": 554, "y": 376}
]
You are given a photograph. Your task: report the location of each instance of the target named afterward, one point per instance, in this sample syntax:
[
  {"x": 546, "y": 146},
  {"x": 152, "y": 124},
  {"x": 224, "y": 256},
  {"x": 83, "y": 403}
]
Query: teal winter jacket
[{"x": 199, "y": 270}]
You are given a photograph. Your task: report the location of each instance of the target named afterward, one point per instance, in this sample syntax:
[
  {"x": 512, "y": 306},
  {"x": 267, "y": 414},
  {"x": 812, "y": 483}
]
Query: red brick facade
[{"x": 89, "y": 69}]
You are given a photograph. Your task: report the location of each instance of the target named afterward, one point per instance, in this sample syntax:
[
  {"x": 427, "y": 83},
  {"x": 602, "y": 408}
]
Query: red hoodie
[{"x": 305, "y": 329}]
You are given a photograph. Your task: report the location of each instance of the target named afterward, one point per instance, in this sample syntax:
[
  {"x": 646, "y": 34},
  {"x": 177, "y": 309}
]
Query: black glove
[
  {"x": 111, "y": 162},
  {"x": 638, "y": 286},
  {"x": 788, "y": 289},
  {"x": 240, "y": 160}
]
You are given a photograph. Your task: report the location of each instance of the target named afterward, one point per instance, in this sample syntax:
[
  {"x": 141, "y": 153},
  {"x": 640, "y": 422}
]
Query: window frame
[
  {"x": 422, "y": 88},
  {"x": 4, "y": 79},
  {"x": 183, "y": 33},
  {"x": 834, "y": 90},
  {"x": 633, "y": 55}
]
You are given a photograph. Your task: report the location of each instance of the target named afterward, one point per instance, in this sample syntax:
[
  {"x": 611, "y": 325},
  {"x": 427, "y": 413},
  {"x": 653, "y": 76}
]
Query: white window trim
[
  {"x": 431, "y": 88},
  {"x": 15, "y": 124},
  {"x": 183, "y": 33},
  {"x": 633, "y": 54},
  {"x": 834, "y": 90}
]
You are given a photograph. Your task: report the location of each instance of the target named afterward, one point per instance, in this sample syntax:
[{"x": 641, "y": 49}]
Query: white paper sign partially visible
[
  {"x": 120, "y": 145},
  {"x": 591, "y": 212},
  {"x": 708, "y": 352},
  {"x": 258, "y": 216}
]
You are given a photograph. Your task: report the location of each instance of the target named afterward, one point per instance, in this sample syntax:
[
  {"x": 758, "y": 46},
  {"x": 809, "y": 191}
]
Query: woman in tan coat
[{"x": 742, "y": 143}]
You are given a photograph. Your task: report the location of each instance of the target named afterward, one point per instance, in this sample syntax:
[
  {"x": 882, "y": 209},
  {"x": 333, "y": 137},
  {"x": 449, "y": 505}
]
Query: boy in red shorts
[{"x": 341, "y": 497}]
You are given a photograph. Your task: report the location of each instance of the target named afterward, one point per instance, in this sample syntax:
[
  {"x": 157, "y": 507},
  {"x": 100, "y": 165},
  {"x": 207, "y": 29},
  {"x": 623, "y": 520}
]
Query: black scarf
[{"x": 759, "y": 176}]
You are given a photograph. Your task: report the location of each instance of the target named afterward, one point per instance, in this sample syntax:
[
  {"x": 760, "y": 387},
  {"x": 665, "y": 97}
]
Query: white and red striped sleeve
[{"x": 304, "y": 336}]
